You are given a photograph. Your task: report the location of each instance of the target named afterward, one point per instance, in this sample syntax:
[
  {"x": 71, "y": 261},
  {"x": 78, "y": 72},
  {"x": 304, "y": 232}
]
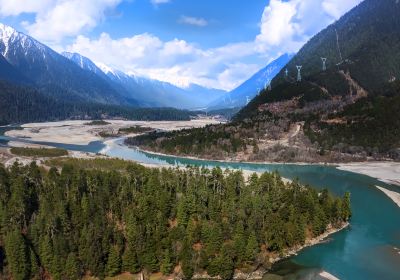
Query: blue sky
[{"x": 214, "y": 43}]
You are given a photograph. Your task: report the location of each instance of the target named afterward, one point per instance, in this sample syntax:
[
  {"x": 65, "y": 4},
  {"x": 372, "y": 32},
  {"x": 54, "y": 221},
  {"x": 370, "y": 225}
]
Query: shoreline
[
  {"x": 385, "y": 171},
  {"x": 311, "y": 242},
  {"x": 395, "y": 196},
  {"x": 261, "y": 272}
]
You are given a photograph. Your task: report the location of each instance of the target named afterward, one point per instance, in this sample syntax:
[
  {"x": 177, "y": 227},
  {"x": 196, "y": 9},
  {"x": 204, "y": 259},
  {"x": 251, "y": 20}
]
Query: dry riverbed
[
  {"x": 79, "y": 133},
  {"x": 387, "y": 172},
  {"x": 395, "y": 196}
]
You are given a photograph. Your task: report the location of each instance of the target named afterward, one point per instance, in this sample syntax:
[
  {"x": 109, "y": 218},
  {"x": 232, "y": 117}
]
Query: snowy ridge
[{"x": 9, "y": 37}]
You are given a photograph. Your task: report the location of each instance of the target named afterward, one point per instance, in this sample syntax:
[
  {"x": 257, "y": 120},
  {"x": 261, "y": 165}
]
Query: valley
[
  {"x": 160, "y": 140},
  {"x": 338, "y": 183},
  {"x": 82, "y": 133}
]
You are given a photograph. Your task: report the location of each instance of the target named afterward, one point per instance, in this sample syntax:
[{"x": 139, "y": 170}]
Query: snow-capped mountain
[
  {"x": 73, "y": 77},
  {"x": 52, "y": 72},
  {"x": 9, "y": 73},
  {"x": 149, "y": 92},
  {"x": 83, "y": 62},
  {"x": 250, "y": 88}
]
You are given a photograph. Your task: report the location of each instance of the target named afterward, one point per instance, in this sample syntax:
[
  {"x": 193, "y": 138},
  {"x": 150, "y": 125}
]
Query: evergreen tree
[
  {"x": 166, "y": 263},
  {"x": 346, "y": 208},
  {"x": 252, "y": 247},
  {"x": 17, "y": 255},
  {"x": 34, "y": 265},
  {"x": 130, "y": 261},
  {"x": 113, "y": 266},
  {"x": 76, "y": 215},
  {"x": 72, "y": 270}
]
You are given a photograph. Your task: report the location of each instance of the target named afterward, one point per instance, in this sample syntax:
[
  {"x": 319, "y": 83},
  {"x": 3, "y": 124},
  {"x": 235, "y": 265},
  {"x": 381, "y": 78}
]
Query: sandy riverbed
[
  {"x": 395, "y": 196},
  {"x": 387, "y": 172},
  {"x": 76, "y": 132}
]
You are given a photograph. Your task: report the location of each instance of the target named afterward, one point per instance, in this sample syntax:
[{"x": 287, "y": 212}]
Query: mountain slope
[
  {"x": 250, "y": 88},
  {"x": 348, "y": 112},
  {"x": 84, "y": 63},
  {"x": 153, "y": 93},
  {"x": 49, "y": 70},
  {"x": 9, "y": 73},
  {"x": 362, "y": 51},
  {"x": 148, "y": 92}
]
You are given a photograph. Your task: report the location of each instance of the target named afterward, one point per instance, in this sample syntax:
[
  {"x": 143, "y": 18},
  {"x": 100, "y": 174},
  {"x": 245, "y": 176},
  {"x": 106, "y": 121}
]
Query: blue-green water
[
  {"x": 368, "y": 249},
  {"x": 93, "y": 147}
]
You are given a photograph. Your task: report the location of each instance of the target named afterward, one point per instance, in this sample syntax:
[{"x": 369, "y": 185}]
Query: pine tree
[
  {"x": 226, "y": 268},
  {"x": 72, "y": 270},
  {"x": 252, "y": 247},
  {"x": 46, "y": 252},
  {"x": 187, "y": 268},
  {"x": 346, "y": 208},
  {"x": 130, "y": 261},
  {"x": 113, "y": 266},
  {"x": 17, "y": 255},
  {"x": 239, "y": 243},
  {"x": 166, "y": 264},
  {"x": 35, "y": 269},
  {"x": 186, "y": 260}
]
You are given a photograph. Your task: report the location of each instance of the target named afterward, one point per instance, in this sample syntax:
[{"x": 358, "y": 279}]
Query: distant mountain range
[
  {"x": 73, "y": 77},
  {"x": 240, "y": 96},
  {"x": 70, "y": 76},
  {"x": 51, "y": 72},
  {"x": 149, "y": 92}
]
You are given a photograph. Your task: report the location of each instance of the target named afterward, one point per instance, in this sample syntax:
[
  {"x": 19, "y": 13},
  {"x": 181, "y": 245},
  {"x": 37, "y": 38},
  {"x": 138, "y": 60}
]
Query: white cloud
[
  {"x": 200, "y": 22},
  {"x": 337, "y": 8},
  {"x": 276, "y": 23},
  {"x": 157, "y": 2},
  {"x": 57, "y": 19},
  {"x": 284, "y": 27},
  {"x": 16, "y": 7},
  {"x": 289, "y": 24}
]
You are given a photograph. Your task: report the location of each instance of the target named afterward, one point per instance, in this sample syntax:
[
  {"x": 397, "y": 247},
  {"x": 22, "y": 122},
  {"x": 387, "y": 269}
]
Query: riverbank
[
  {"x": 311, "y": 242},
  {"x": 395, "y": 196},
  {"x": 262, "y": 271},
  {"x": 79, "y": 133},
  {"x": 387, "y": 172}
]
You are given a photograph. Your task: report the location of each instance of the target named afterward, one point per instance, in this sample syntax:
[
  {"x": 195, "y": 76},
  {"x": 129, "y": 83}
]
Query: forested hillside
[
  {"x": 24, "y": 104},
  {"x": 346, "y": 112},
  {"x": 104, "y": 217},
  {"x": 361, "y": 48}
]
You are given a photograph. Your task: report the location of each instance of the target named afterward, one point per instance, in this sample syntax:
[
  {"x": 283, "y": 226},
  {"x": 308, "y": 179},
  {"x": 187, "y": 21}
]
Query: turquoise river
[{"x": 368, "y": 249}]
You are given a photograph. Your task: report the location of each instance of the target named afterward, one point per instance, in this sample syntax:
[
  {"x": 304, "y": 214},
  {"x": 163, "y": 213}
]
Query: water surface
[{"x": 368, "y": 249}]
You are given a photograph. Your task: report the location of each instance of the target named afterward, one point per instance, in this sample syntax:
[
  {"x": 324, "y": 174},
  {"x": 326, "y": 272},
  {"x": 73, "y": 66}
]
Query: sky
[{"x": 213, "y": 43}]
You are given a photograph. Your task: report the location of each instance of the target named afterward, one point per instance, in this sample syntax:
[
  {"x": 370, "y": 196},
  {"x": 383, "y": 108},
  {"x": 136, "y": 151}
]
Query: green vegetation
[
  {"x": 348, "y": 112},
  {"x": 134, "y": 129},
  {"x": 20, "y": 104},
  {"x": 214, "y": 139},
  {"x": 137, "y": 129},
  {"x": 227, "y": 113},
  {"x": 371, "y": 126},
  {"x": 38, "y": 152},
  {"x": 97, "y": 123},
  {"x": 89, "y": 219}
]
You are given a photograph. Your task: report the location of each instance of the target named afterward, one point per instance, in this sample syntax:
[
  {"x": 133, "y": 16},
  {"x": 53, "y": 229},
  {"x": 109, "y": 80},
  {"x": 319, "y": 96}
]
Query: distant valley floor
[{"x": 81, "y": 133}]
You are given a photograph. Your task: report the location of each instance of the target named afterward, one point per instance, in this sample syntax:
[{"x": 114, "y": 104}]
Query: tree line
[
  {"x": 104, "y": 217},
  {"x": 20, "y": 104}
]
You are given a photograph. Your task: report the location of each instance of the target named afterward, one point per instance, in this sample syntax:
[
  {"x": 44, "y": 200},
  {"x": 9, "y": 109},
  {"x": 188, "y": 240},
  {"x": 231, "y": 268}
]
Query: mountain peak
[
  {"x": 105, "y": 68},
  {"x": 10, "y": 37},
  {"x": 6, "y": 31}
]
